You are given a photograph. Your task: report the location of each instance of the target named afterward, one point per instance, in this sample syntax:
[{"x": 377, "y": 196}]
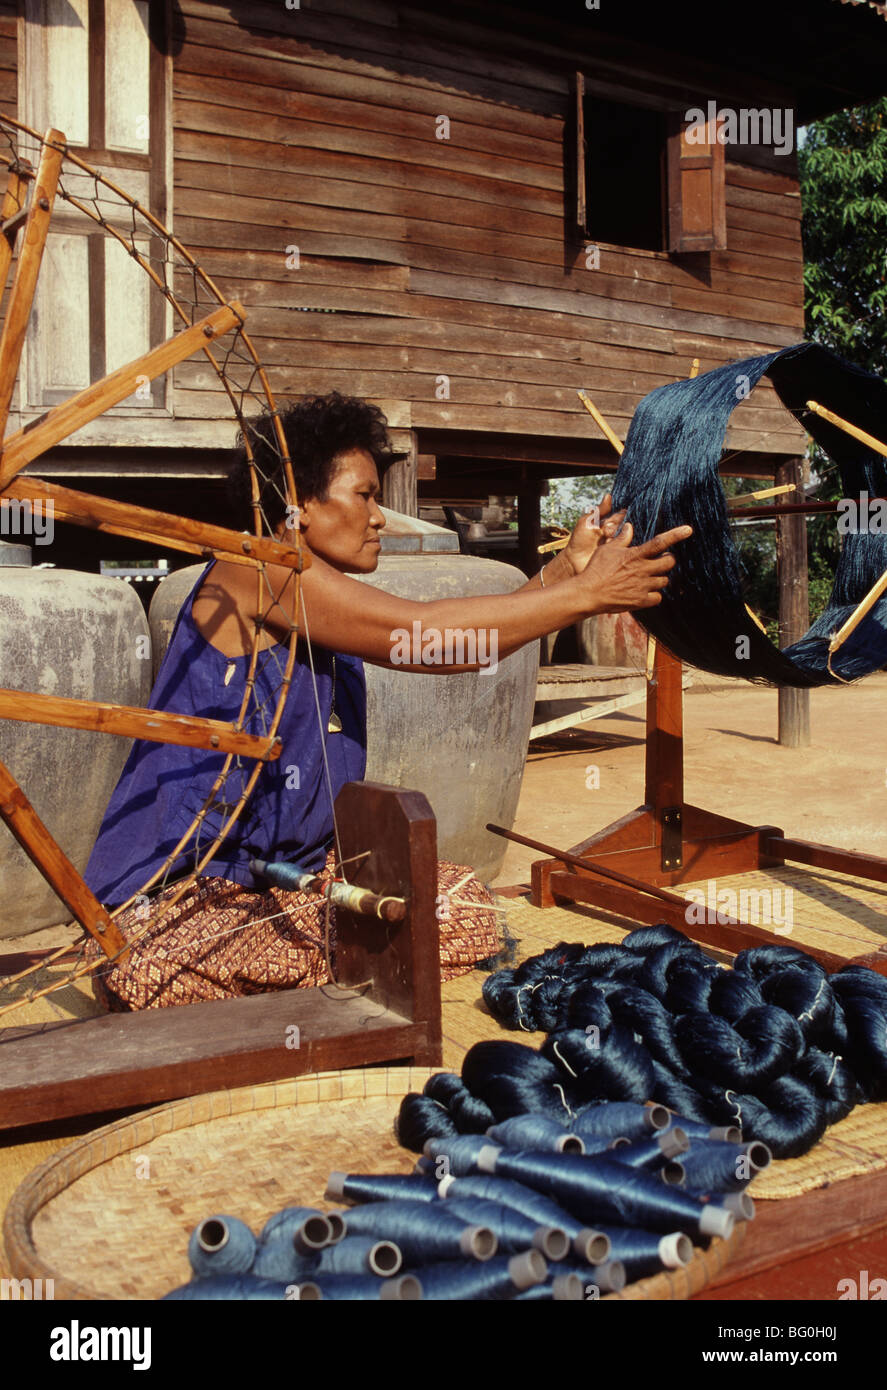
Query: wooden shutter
[
  {"x": 581, "y": 206},
  {"x": 697, "y": 215}
]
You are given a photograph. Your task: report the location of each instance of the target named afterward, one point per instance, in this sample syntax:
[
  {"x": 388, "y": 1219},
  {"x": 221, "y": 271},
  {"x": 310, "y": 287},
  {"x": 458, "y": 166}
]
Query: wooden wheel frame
[{"x": 208, "y": 324}]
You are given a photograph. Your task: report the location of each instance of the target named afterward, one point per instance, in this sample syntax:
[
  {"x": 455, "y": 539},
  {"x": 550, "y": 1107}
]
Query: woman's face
[{"x": 345, "y": 529}]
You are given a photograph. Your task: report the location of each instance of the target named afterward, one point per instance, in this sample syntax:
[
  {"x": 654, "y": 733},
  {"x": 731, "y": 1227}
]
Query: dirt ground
[{"x": 833, "y": 792}]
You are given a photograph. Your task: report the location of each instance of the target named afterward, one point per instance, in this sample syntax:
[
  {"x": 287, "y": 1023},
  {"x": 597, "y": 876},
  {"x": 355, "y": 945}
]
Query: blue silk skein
[{"x": 668, "y": 476}]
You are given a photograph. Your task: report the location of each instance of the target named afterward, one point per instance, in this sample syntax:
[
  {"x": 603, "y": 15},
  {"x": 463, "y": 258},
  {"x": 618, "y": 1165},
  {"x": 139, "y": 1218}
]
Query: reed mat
[
  {"x": 853, "y": 1146},
  {"x": 19, "y": 1155},
  {"x": 109, "y": 1216},
  {"x": 821, "y": 908}
]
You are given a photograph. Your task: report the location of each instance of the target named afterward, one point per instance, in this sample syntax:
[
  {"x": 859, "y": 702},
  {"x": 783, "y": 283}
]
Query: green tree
[
  {"x": 569, "y": 498},
  {"x": 843, "y": 173}
]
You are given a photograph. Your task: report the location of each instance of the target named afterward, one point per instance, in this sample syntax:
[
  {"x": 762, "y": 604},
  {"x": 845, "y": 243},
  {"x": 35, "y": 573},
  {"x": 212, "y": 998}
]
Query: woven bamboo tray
[{"x": 109, "y": 1216}]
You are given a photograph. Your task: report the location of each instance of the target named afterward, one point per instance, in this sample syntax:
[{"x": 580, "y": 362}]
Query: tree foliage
[
  {"x": 843, "y": 170},
  {"x": 843, "y": 173}
]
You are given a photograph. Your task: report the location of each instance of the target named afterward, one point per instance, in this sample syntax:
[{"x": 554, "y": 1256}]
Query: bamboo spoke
[
  {"x": 761, "y": 492},
  {"x": 34, "y": 838},
  {"x": 21, "y": 296},
  {"x": 600, "y": 421},
  {"x": 143, "y": 523},
  {"x": 846, "y": 426},
  {"x": 156, "y": 726},
  {"x": 856, "y": 617},
  {"x": 63, "y": 420}
]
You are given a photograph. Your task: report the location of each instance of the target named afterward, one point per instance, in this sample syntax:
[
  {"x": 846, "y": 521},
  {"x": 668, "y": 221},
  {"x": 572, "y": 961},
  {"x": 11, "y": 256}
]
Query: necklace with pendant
[{"x": 335, "y": 724}]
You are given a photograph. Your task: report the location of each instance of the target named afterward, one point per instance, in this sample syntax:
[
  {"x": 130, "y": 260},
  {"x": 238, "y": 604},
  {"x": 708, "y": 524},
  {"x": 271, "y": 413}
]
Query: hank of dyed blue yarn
[{"x": 668, "y": 475}]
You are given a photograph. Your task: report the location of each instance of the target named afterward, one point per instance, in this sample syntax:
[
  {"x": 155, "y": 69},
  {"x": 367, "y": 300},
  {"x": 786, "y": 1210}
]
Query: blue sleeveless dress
[{"x": 163, "y": 786}]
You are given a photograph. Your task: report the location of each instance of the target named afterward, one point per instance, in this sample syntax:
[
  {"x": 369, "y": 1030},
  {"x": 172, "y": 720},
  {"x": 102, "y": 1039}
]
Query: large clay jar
[{"x": 78, "y": 635}]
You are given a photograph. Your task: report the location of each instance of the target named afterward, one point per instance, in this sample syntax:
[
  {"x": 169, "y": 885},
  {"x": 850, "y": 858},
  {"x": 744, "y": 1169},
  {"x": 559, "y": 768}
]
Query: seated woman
[{"x": 229, "y": 934}]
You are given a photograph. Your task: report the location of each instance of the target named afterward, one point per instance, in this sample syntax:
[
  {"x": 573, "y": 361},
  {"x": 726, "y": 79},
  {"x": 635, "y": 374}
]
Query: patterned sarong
[{"x": 222, "y": 940}]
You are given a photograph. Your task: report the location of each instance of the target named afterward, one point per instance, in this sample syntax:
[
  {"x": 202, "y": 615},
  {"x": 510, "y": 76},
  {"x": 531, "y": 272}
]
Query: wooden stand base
[
  {"x": 57, "y": 1070},
  {"x": 667, "y": 842}
]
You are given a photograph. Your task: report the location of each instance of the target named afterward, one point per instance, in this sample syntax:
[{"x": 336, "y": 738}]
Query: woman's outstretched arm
[{"x": 347, "y": 616}]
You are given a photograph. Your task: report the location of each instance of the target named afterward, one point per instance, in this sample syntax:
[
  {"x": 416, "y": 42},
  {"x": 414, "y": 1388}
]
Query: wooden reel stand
[
  {"x": 62, "y": 1069},
  {"x": 666, "y": 841},
  {"x": 55, "y": 1070}
]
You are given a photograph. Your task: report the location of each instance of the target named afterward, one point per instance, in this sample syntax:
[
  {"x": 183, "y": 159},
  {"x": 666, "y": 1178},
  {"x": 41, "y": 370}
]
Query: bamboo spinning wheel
[{"x": 42, "y": 175}]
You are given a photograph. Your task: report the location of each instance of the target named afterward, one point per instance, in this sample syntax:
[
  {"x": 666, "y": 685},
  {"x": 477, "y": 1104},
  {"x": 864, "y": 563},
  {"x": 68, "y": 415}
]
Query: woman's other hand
[
  {"x": 621, "y": 577},
  {"x": 598, "y": 525}
]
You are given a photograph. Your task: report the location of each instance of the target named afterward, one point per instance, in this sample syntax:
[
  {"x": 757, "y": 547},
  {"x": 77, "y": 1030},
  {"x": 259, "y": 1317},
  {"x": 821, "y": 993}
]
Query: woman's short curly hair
[{"x": 316, "y": 430}]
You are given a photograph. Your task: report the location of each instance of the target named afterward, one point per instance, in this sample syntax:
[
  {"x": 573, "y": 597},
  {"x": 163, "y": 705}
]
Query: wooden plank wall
[
  {"x": 317, "y": 128},
  {"x": 8, "y": 45}
]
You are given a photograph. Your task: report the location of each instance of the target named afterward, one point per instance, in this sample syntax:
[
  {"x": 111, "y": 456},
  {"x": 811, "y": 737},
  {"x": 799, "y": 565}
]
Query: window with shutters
[
  {"x": 640, "y": 183},
  {"x": 96, "y": 70},
  {"x": 697, "y": 206}
]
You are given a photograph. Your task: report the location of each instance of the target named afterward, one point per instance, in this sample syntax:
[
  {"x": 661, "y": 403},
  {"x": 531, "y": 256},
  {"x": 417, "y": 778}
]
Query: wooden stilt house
[{"x": 464, "y": 212}]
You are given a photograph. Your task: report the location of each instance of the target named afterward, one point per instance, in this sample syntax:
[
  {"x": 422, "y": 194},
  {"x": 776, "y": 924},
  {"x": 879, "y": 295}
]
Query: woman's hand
[
  {"x": 620, "y": 576},
  {"x": 588, "y": 533}
]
